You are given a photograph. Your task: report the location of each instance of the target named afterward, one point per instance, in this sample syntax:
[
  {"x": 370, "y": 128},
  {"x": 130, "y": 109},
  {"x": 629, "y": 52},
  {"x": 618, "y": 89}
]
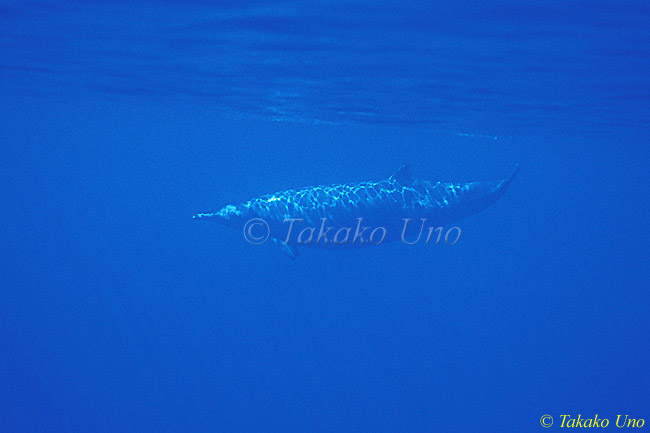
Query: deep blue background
[{"x": 118, "y": 312}]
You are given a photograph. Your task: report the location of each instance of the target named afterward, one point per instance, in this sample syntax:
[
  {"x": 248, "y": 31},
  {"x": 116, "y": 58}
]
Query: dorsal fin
[{"x": 403, "y": 175}]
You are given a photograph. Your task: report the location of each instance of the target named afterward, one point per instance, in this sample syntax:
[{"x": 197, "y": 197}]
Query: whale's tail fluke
[
  {"x": 474, "y": 197},
  {"x": 505, "y": 183}
]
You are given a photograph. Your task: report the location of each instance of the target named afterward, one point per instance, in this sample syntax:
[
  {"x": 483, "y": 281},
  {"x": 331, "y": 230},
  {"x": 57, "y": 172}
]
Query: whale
[{"x": 313, "y": 216}]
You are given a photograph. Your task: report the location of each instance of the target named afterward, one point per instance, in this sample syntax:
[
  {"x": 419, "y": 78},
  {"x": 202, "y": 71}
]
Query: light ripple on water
[{"x": 475, "y": 69}]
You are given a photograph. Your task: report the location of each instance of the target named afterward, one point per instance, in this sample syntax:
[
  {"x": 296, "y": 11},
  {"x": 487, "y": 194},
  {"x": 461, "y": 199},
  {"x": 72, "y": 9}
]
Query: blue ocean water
[{"x": 119, "y": 121}]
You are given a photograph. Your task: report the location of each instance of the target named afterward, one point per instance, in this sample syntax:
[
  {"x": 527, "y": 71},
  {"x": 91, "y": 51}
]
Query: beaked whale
[{"x": 386, "y": 204}]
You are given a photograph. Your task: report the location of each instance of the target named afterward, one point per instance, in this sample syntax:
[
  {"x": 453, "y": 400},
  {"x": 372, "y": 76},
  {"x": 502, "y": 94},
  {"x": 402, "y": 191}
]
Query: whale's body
[{"x": 386, "y": 204}]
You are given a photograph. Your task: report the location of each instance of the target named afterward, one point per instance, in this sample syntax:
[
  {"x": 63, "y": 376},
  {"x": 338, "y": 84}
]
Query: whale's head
[
  {"x": 230, "y": 213},
  {"x": 229, "y": 216}
]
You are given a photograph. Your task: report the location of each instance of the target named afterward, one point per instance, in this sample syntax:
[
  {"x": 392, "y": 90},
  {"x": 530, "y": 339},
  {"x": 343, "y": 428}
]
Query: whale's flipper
[{"x": 288, "y": 250}]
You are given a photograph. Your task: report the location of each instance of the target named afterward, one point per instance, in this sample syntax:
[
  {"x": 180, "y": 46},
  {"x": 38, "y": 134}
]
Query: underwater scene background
[{"x": 119, "y": 121}]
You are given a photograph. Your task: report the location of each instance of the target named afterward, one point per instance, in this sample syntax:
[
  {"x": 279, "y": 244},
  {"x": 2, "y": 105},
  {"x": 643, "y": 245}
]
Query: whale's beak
[{"x": 205, "y": 215}]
